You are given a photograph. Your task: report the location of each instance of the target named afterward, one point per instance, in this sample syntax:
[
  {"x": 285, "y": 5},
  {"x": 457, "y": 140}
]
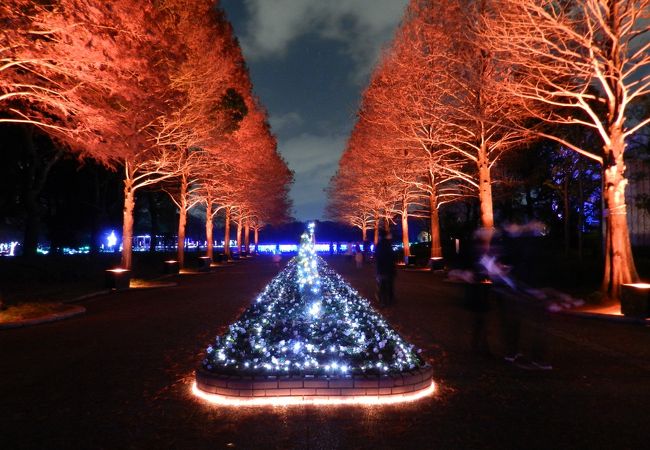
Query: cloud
[
  {"x": 314, "y": 159},
  {"x": 361, "y": 26},
  {"x": 285, "y": 122}
]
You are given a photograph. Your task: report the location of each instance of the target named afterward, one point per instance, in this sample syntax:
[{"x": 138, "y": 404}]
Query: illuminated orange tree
[
  {"x": 353, "y": 195},
  {"x": 207, "y": 102},
  {"x": 82, "y": 72},
  {"x": 585, "y": 63},
  {"x": 263, "y": 173},
  {"x": 76, "y": 68},
  {"x": 248, "y": 180},
  {"x": 368, "y": 185},
  {"x": 407, "y": 95},
  {"x": 476, "y": 120}
]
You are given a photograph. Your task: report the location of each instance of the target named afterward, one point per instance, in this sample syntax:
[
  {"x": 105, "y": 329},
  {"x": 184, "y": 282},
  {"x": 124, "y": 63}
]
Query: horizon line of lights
[{"x": 366, "y": 400}]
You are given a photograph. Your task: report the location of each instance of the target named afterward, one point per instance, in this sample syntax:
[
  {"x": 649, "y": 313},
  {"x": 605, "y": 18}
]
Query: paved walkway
[{"x": 119, "y": 377}]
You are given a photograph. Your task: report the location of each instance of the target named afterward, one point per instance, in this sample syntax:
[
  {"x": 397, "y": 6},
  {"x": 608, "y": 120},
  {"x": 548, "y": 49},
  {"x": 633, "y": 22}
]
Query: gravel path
[{"x": 119, "y": 376}]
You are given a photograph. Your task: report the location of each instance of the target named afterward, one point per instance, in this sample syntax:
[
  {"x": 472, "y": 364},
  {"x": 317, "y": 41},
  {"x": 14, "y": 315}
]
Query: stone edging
[
  {"x": 74, "y": 311},
  {"x": 314, "y": 387}
]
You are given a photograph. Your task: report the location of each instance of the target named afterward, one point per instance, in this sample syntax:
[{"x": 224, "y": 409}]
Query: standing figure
[
  {"x": 358, "y": 257},
  {"x": 477, "y": 292},
  {"x": 385, "y": 263},
  {"x": 277, "y": 258},
  {"x": 348, "y": 251}
]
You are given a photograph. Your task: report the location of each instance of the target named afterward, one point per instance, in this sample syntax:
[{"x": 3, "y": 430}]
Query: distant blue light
[{"x": 111, "y": 240}]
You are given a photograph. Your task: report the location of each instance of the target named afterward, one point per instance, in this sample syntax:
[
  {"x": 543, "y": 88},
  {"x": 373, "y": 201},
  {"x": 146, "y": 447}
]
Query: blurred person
[
  {"x": 277, "y": 258},
  {"x": 385, "y": 266},
  {"x": 366, "y": 250},
  {"x": 523, "y": 300},
  {"x": 358, "y": 257},
  {"x": 478, "y": 287}
]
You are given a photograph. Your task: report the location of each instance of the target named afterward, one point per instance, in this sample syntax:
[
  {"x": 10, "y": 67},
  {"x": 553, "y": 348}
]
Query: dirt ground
[{"x": 119, "y": 377}]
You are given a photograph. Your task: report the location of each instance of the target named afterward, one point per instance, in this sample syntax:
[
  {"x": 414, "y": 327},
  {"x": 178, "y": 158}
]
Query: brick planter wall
[{"x": 315, "y": 387}]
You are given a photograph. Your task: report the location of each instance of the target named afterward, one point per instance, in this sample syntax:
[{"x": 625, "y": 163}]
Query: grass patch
[
  {"x": 138, "y": 283},
  {"x": 26, "y": 311}
]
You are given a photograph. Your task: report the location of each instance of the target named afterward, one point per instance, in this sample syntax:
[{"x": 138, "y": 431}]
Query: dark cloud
[
  {"x": 360, "y": 26},
  {"x": 309, "y": 60}
]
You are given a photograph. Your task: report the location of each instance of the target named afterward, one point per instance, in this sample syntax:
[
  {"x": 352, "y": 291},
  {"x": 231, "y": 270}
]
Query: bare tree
[{"x": 586, "y": 62}]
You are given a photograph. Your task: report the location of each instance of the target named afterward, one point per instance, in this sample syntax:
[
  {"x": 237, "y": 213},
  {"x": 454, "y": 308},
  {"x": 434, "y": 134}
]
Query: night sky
[{"x": 309, "y": 61}]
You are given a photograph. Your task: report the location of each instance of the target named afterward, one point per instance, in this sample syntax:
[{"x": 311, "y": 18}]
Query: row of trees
[
  {"x": 156, "y": 89},
  {"x": 465, "y": 82}
]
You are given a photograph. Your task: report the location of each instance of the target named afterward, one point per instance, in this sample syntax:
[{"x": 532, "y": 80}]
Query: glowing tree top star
[{"x": 308, "y": 320}]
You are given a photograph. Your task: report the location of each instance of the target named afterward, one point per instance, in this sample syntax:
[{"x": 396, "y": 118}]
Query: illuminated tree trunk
[
  {"x": 247, "y": 237},
  {"x": 376, "y": 229},
  {"x": 153, "y": 213},
  {"x": 405, "y": 231},
  {"x": 257, "y": 239},
  {"x": 182, "y": 222},
  {"x": 209, "y": 230},
  {"x": 239, "y": 241},
  {"x": 127, "y": 224},
  {"x": 386, "y": 224},
  {"x": 485, "y": 188},
  {"x": 226, "y": 237},
  {"x": 436, "y": 247},
  {"x": 619, "y": 261},
  {"x": 364, "y": 232}
]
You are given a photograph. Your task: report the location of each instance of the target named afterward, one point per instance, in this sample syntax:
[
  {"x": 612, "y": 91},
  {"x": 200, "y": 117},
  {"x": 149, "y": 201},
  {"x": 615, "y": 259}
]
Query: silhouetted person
[
  {"x": 477, "y": 292},
  {"x": 524, "y": 302},
  {"x": 358, "y": 257},
  {"x": 385, "y": 263},
  {"x": 366, "y": 250}
]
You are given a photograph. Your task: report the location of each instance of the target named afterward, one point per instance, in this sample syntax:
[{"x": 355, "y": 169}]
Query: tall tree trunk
[
  {"x": 127, "y": 224},
  {"x": 405, "y": 232},
  {"x": 30, "y": 196},
  {"x": 247, "y": 237},
  {"x": 38, "y": 167},
  {"x": 485, "y": 188},
  {"x": 180, "y": 243},
  {"x": 153, "y": 213},
  {"x": 32, "y": 221},
  {"x": 103, "y": 184},
  {"x": 386, "y": 225},
  {"x": 94, "y": 225},
  {"x": 436, "y": 246},
  {"x": 376, "y": 229},
  {"x": 226, "y": 237},
  {"x": 364, "y": 232},
  {"x": 581, "y": 200},
  {"x": 239, "y": 241},
  {"x": 619, "y": 261},
  {"x": 257, "y": 239},
  {"x": 209, "y": 230},
  {"x": 182, "y": 223},
  {"x": 530, "y": 210},
  {"x": 567, "y": 223},
  {"x": 602, "y": 229}
]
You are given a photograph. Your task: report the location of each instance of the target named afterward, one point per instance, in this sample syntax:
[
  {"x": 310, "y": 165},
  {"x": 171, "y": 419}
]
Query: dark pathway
[{"x": 119, "y": 377}]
